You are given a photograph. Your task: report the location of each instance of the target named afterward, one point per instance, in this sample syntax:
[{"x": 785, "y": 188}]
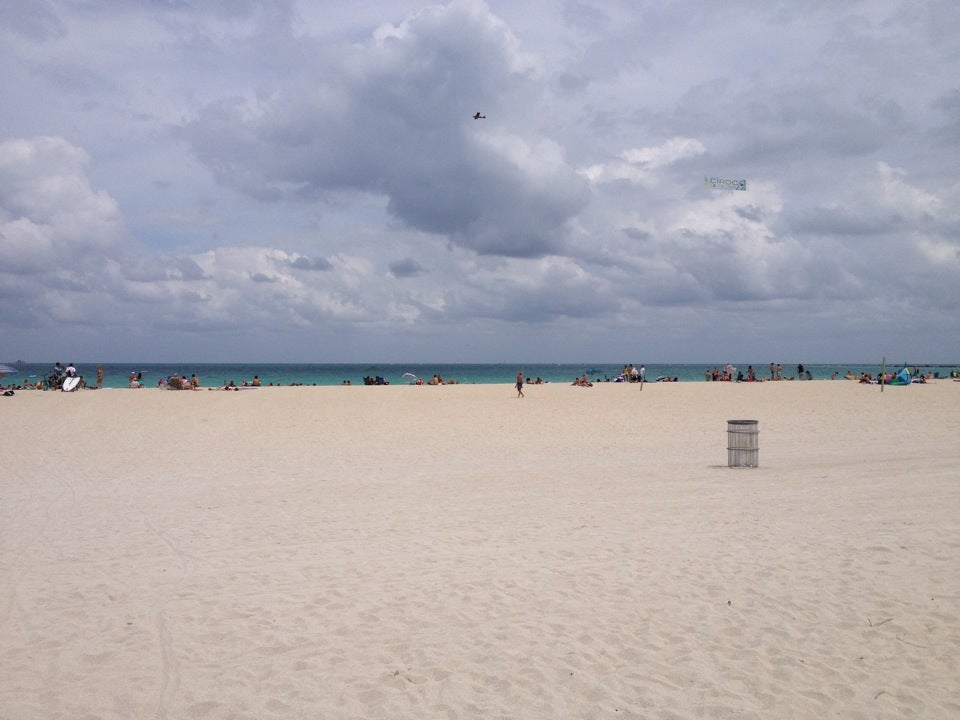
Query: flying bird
[{"x": 478, "y": 116}]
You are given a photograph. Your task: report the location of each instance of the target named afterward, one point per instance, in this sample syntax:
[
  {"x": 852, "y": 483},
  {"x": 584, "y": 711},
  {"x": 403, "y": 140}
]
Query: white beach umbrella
[{"x": 6, "y": 370}]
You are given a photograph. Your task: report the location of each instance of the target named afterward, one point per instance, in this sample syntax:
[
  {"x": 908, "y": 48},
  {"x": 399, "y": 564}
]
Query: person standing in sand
[
  {"x": 519, "y": 383},
  {"x": 99, "y": 376}
]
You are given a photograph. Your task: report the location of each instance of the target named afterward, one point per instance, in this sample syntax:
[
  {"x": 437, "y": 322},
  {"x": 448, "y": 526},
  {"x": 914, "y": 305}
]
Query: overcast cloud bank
[{"x": 267, "y": 182}]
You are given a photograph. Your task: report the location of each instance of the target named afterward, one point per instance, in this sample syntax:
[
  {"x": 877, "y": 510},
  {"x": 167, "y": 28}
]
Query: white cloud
[
  {"x": 636, "y": 165},
  {"x": 674, "y": 149},
  {"x": 50, "y": 215},
  {"x": 893, "y": 194}
]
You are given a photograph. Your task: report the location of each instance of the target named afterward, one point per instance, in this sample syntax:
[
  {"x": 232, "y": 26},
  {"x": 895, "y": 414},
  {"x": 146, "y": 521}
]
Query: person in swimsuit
[{"x": 519, "y": 383}]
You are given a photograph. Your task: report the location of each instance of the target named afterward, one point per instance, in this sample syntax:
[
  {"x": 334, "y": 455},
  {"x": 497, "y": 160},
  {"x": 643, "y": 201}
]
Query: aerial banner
[{"x": 724, "y": 184}]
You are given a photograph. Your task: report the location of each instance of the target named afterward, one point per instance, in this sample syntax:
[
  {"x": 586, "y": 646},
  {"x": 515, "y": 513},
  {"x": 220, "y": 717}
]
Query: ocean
[{"x": 116, "y": 375}]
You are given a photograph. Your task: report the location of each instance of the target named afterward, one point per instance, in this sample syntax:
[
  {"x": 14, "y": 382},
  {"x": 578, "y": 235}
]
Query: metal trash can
[{"x": 743, "y": 445}]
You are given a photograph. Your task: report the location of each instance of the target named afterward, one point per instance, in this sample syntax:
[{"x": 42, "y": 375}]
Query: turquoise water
[{"x": 211, "y": 375}]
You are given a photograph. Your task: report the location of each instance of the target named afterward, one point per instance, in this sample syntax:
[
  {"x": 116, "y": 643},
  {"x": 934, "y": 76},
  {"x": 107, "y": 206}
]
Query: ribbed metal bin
[{"x": 743, "y": 446}]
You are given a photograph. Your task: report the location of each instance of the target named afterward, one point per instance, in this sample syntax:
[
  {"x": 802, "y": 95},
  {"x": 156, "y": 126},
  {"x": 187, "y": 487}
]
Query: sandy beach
[{"x": 456, "y": 552}]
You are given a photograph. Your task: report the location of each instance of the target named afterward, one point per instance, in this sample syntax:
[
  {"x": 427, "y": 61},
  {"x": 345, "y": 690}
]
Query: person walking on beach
[
  {"x": 99, "y": 377},
  {"x": 519, "y": 383}
]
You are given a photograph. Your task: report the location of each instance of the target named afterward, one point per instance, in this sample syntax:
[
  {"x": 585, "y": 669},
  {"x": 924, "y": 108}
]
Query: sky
[{"x": 293, "y": 181}]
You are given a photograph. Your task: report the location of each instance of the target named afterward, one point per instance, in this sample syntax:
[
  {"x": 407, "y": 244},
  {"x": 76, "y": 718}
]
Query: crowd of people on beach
[
  {"x": 436, "y": 379},
  {"x": 731, "y": 374},
  {"x": 182, "y": 382},
  {"x": 174, "y": 382},
  {"x": 906, "y": 376},
  {"x": 630, "y": 374},
  {"x": 135, "y": 381},
  {"x": 55, "y": 381},
  {"x": 179, "y": 381}
]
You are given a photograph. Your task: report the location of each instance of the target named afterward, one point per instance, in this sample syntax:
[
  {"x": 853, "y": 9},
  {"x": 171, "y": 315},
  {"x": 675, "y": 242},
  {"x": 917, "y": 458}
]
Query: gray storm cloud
[{"x": 394, "y": 117}]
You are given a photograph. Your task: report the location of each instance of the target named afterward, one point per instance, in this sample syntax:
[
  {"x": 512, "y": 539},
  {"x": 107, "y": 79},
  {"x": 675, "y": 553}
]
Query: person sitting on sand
[{"x": 256, "y": 381}]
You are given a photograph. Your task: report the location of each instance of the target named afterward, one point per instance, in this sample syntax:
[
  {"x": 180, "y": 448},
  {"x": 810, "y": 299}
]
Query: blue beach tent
[{"x": 902, "y": 378}]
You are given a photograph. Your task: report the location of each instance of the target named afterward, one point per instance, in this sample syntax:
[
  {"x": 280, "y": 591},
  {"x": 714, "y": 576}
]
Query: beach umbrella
[
  {"x": 410, "y": 376},
  {"x": 6, "y": 370}
]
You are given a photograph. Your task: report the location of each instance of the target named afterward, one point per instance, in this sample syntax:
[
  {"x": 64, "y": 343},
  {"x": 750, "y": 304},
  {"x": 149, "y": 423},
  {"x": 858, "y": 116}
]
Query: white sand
[{"x": 453, "y": 552}]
